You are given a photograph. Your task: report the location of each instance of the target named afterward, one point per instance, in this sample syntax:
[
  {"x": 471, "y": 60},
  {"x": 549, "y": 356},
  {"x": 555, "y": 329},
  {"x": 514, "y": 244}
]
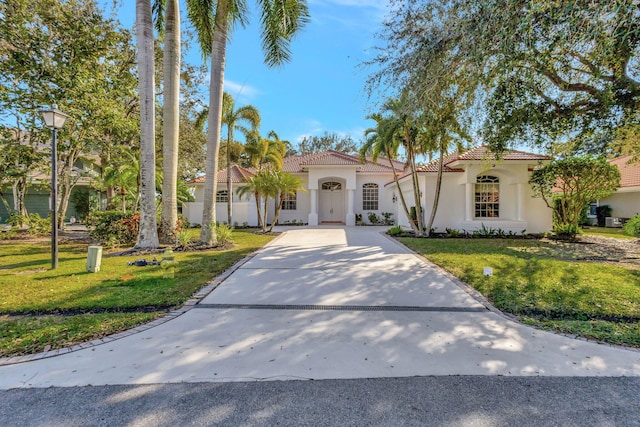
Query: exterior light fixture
[{"x": 54, "y": 119}]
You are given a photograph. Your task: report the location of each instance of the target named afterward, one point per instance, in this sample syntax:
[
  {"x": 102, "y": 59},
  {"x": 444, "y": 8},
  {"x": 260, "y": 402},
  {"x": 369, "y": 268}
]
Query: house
[
  {"x": 477, "y": 190},
  {"x": 625, "y": 202}
]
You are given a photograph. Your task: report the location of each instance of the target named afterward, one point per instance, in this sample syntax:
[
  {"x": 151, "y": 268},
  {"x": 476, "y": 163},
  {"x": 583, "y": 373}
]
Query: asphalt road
[{"x": 418, "y": 401}]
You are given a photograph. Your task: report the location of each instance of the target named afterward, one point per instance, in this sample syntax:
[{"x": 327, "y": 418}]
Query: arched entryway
[{"x": 332, "y": 201}]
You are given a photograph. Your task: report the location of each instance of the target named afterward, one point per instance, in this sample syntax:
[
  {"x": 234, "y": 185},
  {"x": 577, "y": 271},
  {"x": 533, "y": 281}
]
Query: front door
[{"x": 331, "y": 202}]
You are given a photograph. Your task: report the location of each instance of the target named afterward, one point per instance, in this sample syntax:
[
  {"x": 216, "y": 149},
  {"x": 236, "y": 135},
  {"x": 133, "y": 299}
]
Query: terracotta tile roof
[
  {"x": 297, "y": 164},
  {"x": 432, "y": 166},
  {"x": 238, "y": 175},
  {"x": 479, "y": 153},
  {"x": 630, "y": 172},
  {"x": 483, "y": 153}
]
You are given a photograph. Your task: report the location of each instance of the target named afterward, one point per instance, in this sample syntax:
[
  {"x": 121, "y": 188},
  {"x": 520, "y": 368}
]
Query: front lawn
[
  {"x": 534, "y": 281},
  {"x": 48, "y": 309}
]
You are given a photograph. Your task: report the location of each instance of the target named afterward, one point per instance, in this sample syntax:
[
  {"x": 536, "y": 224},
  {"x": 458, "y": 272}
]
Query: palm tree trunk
[
  {"x": 218, "y": 59},
  {"x": 416, "y": 184},
  {"x": 148, "y": 233},
  {"x": 171, "y": 121},
  {"x": 229, "y": 193},
  {"x": 257, "y": 196},
  {"x": 436, "y": 197},
  {"x": 414, "y": 227},
  {"x": 277, "y": 214}
]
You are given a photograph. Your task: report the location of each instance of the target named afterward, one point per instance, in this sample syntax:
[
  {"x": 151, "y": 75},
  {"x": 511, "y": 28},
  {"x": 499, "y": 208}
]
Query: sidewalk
[{"x": 329, "y": 303}]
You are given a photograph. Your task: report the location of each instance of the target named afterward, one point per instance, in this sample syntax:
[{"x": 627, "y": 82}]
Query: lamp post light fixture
[{"x": 54, "y": 119}]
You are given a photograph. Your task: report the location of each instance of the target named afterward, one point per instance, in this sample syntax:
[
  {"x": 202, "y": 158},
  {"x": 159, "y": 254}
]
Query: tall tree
[
  {"x": 148, "y": 233},
  {"x": 66, "y": 53},
  {"x": 405, "y": 124},
  {"x": 443, "y": 132},
  {"x": 234, "y": 120},
  {"x": 382, "y": 140},
  {"x": 548, "y": 69},
  {"x": 280, "y": 21},
  {"x": 170, "y": 120}
]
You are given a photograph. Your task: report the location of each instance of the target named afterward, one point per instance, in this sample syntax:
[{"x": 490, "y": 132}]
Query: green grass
[
  {"x": 608, "y": 232},
  {"x": 592, "y": 300},
  {"x": 41, "y": 307}
]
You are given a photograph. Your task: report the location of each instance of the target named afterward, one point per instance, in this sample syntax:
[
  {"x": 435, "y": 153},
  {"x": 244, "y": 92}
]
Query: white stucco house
[{"x": 476, "y": 189}]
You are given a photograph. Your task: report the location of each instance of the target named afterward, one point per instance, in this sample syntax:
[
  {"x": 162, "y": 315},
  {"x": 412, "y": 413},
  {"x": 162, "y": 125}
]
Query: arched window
[
  {"x": 370, "y": 197},
  {"x": 331, "y": 185},
  {"x": 487, "y": 197},
  {"x": 222, "y": 196}
]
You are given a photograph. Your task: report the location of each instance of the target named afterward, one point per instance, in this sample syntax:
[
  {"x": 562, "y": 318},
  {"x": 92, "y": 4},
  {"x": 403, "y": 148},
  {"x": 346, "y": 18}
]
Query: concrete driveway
[{"x": 328, "y": 303}]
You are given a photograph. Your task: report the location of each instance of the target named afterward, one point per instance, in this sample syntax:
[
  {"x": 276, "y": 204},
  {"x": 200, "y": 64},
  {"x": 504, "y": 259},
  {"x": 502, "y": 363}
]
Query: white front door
[{"x": 331, "y": 202}]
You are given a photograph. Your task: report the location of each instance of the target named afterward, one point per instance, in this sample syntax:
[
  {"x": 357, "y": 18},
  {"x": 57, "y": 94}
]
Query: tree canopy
[{"x": 547, "y": 70}]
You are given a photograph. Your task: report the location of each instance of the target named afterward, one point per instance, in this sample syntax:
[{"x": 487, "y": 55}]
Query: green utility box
[{"x": 94, "y": 258}]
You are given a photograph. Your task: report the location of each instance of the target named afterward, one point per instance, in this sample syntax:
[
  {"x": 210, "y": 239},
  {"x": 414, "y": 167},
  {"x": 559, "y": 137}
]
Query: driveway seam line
[{"x": 316, "y": 307}]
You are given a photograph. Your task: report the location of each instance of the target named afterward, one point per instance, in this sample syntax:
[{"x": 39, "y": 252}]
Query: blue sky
[{"x": 322, "y": 88}]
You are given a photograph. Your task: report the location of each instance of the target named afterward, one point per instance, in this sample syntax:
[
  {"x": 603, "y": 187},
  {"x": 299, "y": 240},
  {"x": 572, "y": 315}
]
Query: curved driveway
[{"x": 321, "y": 303}]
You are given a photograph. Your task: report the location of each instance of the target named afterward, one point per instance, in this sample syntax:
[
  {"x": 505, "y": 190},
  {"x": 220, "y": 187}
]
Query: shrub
[
  {"x": 113, "y": 228},
  {"x": 183, "y": 238},
  {"x": 16, "y": 220},
  {"x": 373, "y": 218},
  {"x": 484, "y": 231},
  {"x": 395, "y": 231},
  {"x": 387, "y": 218},
  {"x": 453, "y": 232},
  {"x": 38, "y": 225},
  {"x": 223, "y": 234},
  {"x": 632, "y": 226},
  {"x": 566, "y": 230}
]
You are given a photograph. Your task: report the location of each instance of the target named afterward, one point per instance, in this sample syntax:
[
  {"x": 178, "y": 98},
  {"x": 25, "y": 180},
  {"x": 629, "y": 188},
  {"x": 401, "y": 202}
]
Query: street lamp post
[{"x": 54, "y": 119}]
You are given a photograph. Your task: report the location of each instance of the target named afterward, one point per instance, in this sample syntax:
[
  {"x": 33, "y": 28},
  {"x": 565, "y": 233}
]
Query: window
[
  {"x": 487, "y": 197},
  {"x": 370, "y": 197},
  {"x": 222, "y": 196},
  {"x": 331, "y": 185},
  {"x": 290, "y": 202}
]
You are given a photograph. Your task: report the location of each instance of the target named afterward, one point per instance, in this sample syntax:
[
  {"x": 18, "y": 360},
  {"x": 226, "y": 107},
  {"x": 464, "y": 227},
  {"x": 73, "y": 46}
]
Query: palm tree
[
  {"x": 170, "y": 120},
  {"x": 405, "y": 127},
  {"x": 280, "y": 21},
  {"x": 443, "y": 130},
  {"x": 124, "y": 176},
  {"x": 148, "y": 233},
  {"x": 382, "y": 140},
  {"x": 256, "y": 185},
  {"x": 284, "y": 184},
  {"x": 269, "y": 151},
  {"x": 233, "y": 118}
]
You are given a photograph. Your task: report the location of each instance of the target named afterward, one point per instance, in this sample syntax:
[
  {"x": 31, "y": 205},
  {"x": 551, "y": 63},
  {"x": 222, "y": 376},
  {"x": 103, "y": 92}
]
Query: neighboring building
[
  {"x": 625, "y": 202},
  {"x": 476, "y": 190},
  {"x": 38, "y": 196}
]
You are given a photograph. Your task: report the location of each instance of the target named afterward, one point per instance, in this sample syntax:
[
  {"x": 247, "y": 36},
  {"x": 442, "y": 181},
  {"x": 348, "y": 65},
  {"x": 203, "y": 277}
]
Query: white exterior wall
[
  {"x": 456, "y": 207},
  {"x": 243, "y": 209},
  {"x": 385, "y": 202},
  {"x": 625, "y": 203},
  {"x": 302, "y": 205}
]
